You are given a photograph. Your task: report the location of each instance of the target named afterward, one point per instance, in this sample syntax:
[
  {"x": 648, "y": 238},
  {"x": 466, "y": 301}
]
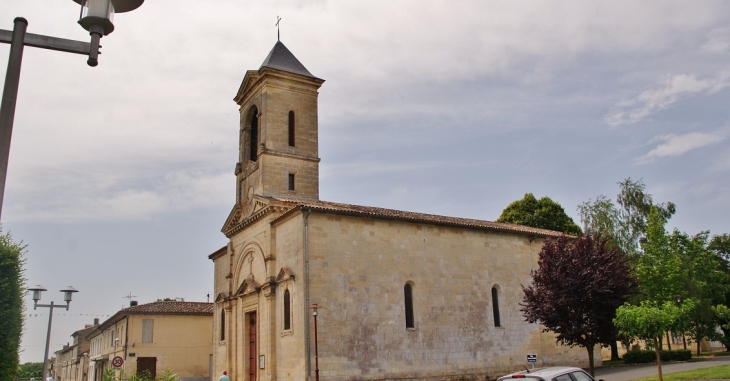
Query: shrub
[
  {"x": 639, "y": 357},
  {"x": 647, "y": 356},
  {"x": 677, "y": 355},
  {"x": 167, "y": 375}
]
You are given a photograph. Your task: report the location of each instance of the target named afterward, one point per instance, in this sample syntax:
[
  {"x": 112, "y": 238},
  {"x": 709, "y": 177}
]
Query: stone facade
[
  {"x": 72, "y": 362},
  {"x": 400, "y": 295}
]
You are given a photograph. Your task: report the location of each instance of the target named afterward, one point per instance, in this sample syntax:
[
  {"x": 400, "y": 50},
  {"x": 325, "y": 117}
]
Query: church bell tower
[{"x": 278, "y": 148}]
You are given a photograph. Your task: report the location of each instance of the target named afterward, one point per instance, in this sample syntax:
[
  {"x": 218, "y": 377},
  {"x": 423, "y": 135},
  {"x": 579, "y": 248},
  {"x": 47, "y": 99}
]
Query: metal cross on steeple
[{"x": 277, "y": 28}]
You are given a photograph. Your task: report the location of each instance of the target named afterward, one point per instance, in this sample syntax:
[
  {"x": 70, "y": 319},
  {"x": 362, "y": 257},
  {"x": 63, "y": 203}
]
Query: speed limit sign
[{"x": 117, "y": 362}]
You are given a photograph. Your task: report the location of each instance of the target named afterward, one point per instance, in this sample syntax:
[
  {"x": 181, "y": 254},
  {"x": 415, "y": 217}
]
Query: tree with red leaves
[{"x": 576, "y": 290}]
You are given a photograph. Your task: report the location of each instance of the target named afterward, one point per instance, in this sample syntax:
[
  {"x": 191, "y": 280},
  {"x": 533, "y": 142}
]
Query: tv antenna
[{"x": 129, "y": 296}]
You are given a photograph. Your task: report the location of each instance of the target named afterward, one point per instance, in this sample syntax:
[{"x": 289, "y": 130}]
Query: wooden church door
[{"x": 252, "y": 351}]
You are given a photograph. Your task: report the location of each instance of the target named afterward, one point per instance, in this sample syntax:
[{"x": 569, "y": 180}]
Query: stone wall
[{"x": 359, "y": 267}]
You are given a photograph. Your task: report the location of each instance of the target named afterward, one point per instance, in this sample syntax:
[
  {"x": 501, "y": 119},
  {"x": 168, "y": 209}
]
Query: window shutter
[{"x": 147, "y": 330}]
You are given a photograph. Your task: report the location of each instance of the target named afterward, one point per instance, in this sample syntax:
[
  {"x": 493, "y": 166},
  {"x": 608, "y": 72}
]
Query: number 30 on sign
[{"x": 117, "y": 362}]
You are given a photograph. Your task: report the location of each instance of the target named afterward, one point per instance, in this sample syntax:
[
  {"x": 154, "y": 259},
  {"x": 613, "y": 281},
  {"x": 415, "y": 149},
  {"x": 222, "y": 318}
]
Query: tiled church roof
[
  {"x": 370, "y": 211},
  {"x": 282, "y": 59}
]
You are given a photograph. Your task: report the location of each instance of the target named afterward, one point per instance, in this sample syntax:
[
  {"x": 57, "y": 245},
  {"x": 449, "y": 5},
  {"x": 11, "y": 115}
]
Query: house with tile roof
[
  {"x": 153, "y": 337},
  {"x": 400, "y": 295}
]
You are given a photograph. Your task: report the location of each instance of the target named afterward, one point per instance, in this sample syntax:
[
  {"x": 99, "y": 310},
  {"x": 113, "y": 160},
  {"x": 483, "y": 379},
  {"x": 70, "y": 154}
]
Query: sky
[{"x": 121, "y": 176}]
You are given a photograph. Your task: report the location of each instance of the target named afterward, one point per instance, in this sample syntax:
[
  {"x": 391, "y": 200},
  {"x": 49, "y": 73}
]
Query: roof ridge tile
[{"x": 415, "y": 216}]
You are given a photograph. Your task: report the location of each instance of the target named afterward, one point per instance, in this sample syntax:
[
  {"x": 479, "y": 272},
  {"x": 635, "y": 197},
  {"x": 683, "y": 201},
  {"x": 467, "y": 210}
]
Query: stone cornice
[
  {"x": 271, "y": 152},
  {"x": 267, "y": 210},
  {"x": 254, "y": 80}
]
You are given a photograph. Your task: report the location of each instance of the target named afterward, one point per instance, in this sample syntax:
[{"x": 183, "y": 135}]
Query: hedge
[
  {"x": 11, "y": 304},
  {"x": 647, "y": 356}
]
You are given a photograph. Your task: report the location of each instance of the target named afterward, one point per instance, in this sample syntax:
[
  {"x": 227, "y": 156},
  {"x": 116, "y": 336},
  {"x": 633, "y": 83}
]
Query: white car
[{"x": 553, "y": 373}]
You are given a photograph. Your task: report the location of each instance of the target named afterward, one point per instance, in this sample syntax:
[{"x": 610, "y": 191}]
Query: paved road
[{"x": 630, "y": 372}]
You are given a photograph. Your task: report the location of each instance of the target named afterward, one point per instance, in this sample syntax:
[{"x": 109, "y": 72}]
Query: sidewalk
[{"x": 631, "y": 372}]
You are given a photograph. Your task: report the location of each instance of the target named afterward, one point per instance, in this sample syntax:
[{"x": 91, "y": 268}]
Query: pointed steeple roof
[{"x": 281, "y": 58}]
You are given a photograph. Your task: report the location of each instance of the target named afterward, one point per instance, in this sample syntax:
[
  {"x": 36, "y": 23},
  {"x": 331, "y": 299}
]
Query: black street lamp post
[
  {"x": 67, "y": 293},
  {"x": 679, "y": 304},
  {"x": 316, "y": 352}
]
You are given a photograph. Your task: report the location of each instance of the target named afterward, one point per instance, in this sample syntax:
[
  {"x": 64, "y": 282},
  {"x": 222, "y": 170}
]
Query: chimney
[
  {"x": 96, "y": 321},
  {"x": 132, "y": 303}
]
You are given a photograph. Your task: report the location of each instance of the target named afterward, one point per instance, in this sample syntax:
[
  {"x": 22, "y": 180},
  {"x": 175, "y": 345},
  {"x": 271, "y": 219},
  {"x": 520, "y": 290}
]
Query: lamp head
[
  {"x": 37, "y": 289},
  {"x": 314, "y": 309},
  {"x": 97, "y": 15},
  {"x": 67, "y": 292},
  {"x": 120, "y": 6}
]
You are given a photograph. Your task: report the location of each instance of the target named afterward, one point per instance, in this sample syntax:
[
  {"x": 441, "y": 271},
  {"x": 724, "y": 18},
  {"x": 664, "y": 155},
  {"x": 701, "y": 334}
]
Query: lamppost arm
[{"x": 48, "y": 42}]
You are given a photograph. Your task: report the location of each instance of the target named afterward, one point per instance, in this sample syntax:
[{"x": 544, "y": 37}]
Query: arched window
[
  {"x": 254, "y": 141},
  {"x": 408, "y": 291},
  {"x": 287, "y": 310},
  {"x": 223, "y": 324},
  {"x": 495, "y": 307},
  {"x": 291, "y": 129}
]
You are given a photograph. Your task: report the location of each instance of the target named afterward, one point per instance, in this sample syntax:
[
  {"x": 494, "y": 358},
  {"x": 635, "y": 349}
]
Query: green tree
[
  {"x": 678, "y": 266},
  {"x": 626, "y": 221},
  {"x": 171, "y": 300},
  {"x": 720, "y": 246},
  {"x": 635, "y": 207},
  {"x": 722, "y": 316},
  {"x": 709, "y": 285},
  {"x": 31, "y": 369},
  {"x": 660, "y": 269},
  {"x": 11, "y": 304},
  {"x": 600, "y": 216},
  {"x": 543, "y": 213},
  {"x": 708, "y": 282},
  {"x": 648, "y": 321}
]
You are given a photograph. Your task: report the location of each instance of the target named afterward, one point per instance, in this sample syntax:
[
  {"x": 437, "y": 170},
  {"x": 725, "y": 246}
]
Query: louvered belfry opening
[
  {"x": 254, "y": 137},
  {"x": 292, "y": 142}
]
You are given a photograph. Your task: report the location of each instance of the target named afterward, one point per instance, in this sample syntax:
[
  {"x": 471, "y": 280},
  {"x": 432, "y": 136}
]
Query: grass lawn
[{"x": 718, "y": 372}]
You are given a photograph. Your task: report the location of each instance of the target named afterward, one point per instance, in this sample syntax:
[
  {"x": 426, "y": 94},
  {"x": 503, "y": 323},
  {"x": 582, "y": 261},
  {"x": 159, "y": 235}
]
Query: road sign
[
  {"x": 532, "y": 357},
  {"x": 117, "y": 362}
]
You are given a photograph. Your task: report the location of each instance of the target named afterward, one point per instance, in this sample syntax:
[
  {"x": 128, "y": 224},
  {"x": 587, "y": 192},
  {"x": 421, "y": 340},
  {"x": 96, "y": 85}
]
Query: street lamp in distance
[
  {"x": 67, "y": 295},
  {"x": 316, "y": 351}
]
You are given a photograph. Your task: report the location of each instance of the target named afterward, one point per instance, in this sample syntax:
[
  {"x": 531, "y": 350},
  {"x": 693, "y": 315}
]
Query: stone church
[{"x": 400, "y": 295}]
